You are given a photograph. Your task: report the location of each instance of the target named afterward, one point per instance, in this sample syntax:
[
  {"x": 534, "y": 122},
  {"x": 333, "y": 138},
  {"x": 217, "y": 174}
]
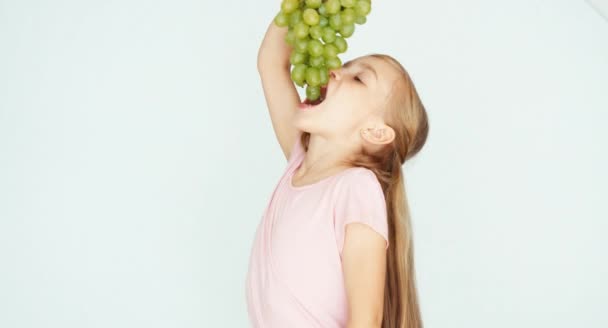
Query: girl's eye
[{"x": 358, "y": 79}]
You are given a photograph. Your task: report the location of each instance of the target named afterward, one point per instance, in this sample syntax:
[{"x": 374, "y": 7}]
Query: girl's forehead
[
  {"x": 381, "y": 64},
  {"x": 382, "y": 67}
]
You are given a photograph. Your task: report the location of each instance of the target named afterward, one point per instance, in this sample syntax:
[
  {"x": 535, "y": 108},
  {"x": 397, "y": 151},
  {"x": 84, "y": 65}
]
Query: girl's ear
[{"x": 378, "y": 134}]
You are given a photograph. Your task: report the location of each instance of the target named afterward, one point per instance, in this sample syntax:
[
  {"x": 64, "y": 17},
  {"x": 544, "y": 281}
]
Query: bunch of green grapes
[{"x": 317, "y": 32}]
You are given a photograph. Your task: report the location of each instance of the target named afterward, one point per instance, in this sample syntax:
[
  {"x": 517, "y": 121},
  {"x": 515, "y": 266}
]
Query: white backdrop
[{"x": 137, "y": 156}]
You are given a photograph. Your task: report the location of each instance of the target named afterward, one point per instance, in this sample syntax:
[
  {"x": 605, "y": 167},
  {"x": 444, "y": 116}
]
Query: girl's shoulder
[
  {"x": 359, "y": 178},
  {"x": 359, "y": 174}
]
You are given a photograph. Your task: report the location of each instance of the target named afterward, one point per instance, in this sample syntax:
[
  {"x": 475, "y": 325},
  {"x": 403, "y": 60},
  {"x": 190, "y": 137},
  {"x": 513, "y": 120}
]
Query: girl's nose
[{"x": 335, "y": 74}]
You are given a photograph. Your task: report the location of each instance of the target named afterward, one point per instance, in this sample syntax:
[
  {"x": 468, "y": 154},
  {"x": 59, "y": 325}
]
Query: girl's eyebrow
[
  {"x": 365, "y": 65},
  {"x": 368, "y": 66}
]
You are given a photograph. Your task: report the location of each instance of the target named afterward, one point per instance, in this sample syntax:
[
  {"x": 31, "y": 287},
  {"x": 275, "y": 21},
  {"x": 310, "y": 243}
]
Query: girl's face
[{"x": 356, "y": 95}]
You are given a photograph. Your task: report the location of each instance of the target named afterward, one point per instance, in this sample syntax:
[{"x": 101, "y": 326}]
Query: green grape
[
  {"x": 335, "y": 21},
  {"x": 322, "y": 10},
  {"x": 333, "y": 62},
  {"x": 329, "y": 35},
  {"x": 348, "y": 3},
  {"x": 310, "y": 16},
  {"x": 301, "y": 30},
  {"x": 290, "y": 37},
  {"x": 323, "y": 21},
  {"x": 314, "y": 3},
  {"x": 324, "y": 73},
  {"x": 313, "y": 76},
  {"x": 347, "y": 30},
  {"x": 298, "y": 57},
  {"x": 360, "y": 20},
  {"x": 313, "y": 92},
  {"x": 298, "y": 73},
  {"x": 295, "y": 17},
  {"x": 341, "y": 44},
  {"x": 348, "y": 16},
  {"x": 281, "y": 19},
  {"x": 316, "y": 32},
  {"x": 315, "y": 48},
  {"x": 289, "y": 6},
  {"x": 330, "y": 51},
  {"x": 332, "y": 6},
  {"x": 301, "y": 45},
  {"x": 363, "y": 8},
  {"x": 316, "y": 61}
]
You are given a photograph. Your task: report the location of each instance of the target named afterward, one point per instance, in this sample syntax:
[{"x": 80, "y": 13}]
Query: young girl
[{"x": 334, "y": 245}]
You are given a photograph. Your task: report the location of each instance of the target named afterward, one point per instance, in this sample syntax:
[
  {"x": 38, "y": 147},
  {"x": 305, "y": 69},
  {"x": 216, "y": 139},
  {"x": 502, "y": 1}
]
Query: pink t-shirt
[{"x": 295, "y": 274}]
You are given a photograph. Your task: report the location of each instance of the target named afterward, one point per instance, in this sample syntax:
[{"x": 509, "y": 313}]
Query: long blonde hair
[{"x": 407, "y": 116}]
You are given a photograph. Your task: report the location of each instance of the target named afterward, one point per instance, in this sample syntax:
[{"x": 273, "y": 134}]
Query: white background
[{"x": 137, "y": 155}]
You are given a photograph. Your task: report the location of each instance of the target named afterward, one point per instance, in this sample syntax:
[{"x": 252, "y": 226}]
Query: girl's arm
[
  {"x": 364, "y": 267},
  {"x": 280, "y": 93}
]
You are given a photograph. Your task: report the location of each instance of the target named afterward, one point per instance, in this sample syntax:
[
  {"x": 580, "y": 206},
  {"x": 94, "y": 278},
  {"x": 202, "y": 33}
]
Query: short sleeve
[{"x": 360, "y": 199}]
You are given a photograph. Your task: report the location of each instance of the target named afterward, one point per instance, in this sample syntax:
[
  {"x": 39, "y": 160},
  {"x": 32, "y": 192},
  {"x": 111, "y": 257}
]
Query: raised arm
[{"x": 280, "y": 92}]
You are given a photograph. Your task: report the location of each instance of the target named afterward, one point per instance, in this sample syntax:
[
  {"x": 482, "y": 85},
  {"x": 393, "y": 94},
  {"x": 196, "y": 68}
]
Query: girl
[{"x": 334, "y": 245}]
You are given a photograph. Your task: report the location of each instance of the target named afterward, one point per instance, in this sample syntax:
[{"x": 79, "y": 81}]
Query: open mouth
[{"x": 307, "y": 103}]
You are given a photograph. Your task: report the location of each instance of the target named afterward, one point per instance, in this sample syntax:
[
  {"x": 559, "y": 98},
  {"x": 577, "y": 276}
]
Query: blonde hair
[{"x": 407, "y": 116}]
